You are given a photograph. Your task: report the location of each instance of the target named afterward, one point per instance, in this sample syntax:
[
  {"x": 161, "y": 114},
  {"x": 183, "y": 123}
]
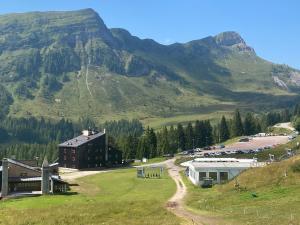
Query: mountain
[{"x": 69, "y": 64}]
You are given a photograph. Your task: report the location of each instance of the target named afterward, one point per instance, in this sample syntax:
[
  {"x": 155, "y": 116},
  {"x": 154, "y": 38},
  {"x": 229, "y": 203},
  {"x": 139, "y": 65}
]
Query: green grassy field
[
  {"x": 277, "y": 201},
  {"x": 153, "y": 160},
  {"x": 110, "y": 198}
]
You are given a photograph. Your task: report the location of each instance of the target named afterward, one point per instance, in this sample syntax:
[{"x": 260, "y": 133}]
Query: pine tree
[
  {"x": 249, "y": 124},
  {"x": 142, "y": 148},
  {"x": 165, "y": 141},
  {"x": 199, "y": 131},
  {"x": 189, "y": 134},
  {"x": 224, "y": 130},
  {"x": 173, "y": 139},
  {"x": 237, "y": 125},
  {"x": 181, "y": 138},
  {"x": 208, "y": 133},
  {"x": 152, "y": 140}
]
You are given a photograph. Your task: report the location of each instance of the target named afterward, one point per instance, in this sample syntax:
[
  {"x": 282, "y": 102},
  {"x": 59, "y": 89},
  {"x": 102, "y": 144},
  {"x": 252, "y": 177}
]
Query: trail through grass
[
  {"x": 110, "y": 198},
  {"x": 277, "y": 189}
]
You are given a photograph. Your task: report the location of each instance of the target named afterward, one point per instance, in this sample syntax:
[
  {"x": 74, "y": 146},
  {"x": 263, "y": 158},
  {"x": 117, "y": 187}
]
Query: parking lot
[{"x": 254, "y": 144}]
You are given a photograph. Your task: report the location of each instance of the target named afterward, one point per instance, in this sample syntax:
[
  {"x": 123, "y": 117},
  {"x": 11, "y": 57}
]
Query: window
[
  {"x": 202, "y": 175},
  {"x": 73, "y": 151},
  {"x": 65, "y": 157},
  {"x": 23, "y": 175},
  {"x": 213, "y": 175},
  {"x": 73, "y": 158},
  {"x": 223, "y": 176},
  {"x": 65, "y": 150}
]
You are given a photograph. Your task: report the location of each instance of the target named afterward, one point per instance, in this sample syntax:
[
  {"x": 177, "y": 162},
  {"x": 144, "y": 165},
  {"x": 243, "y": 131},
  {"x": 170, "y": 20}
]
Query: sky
[{"x": 271, "y": 27}]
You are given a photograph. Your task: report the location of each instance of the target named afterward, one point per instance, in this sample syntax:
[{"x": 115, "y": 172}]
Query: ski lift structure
[{"x": 154, "y": 171}]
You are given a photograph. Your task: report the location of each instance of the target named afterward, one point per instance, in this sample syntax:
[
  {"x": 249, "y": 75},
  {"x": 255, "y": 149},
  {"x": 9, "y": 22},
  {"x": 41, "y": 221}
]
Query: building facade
[
  {"x": 18, "y": 177},
  {"x": 220, "y": 170},
  {"x": 89, "y": 150}
]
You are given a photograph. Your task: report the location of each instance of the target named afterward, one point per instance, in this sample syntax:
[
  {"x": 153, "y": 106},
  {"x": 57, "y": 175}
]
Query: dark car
[{"x": 207, "y": 183}]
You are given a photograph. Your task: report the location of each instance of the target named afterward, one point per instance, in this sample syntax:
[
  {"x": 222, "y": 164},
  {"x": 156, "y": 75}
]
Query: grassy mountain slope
[
  {"x": 275, "y": 186},
  {"x": 69, "y": 64}
]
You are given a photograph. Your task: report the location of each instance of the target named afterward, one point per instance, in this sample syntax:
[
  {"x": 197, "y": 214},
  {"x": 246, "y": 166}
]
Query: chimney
[{"x": 86, "y": 133}]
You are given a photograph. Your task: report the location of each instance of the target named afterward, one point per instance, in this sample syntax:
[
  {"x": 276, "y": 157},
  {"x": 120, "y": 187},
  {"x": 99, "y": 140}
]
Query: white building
[{"x": 218, "y": 169}]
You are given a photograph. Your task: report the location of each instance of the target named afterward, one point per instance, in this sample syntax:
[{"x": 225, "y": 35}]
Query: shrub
[{"x": 296, "y": 166}]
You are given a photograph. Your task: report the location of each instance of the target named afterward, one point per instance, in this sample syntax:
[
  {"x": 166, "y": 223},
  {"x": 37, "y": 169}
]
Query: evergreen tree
[
  {"x": 189, "y": 134},
  {"x": 142, "y": 150},
  {"x": 249, "y": 124},
  {"x": 181, "y": 137},
  {"x": 152, "y": 140},
  {"x": 237, "y": 125},
  {"x": 199, "y": 133},
  {"x": 173, "y": 139},
  {"x": 208, "y": 133},
  {"x": 224, "y": 130},
  {"x": 285, "y": 116},
  {"x": 165, "y": 144}
]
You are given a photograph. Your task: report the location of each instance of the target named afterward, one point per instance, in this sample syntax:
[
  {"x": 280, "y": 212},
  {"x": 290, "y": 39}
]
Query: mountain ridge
[{"x": 55, "y": 63}]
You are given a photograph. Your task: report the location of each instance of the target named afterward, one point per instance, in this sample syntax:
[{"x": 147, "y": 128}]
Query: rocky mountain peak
[{"x": 232, "y": 39}]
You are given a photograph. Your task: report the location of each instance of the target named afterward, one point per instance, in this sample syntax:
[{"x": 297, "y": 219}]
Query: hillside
[
  {"x": 267, "y": 195},
  {"x": 69, "y": 64}
]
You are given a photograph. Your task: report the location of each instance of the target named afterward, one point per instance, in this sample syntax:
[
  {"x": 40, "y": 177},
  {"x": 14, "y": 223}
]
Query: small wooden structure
[{"x": 155, "y": 171}]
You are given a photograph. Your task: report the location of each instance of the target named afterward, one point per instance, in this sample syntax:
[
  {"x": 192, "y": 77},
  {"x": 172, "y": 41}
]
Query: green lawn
[
  {"x": 110, "y": 198},
  {"x": 153, "y": 160},
  {"x": 277, "y": 203}
]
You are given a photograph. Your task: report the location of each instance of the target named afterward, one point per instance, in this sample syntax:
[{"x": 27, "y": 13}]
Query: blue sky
[{"x": 270, "y": 26}]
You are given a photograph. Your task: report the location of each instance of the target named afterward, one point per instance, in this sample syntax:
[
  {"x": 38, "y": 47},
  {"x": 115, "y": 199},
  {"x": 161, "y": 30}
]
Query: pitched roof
[
  {"x": 80, "y": 140},
  {"x": 22, "y": 165}
]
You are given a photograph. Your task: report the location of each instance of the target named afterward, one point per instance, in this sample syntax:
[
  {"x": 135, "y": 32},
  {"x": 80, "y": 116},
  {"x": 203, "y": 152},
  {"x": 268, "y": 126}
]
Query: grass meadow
[
  {"x": 277, "y": 201},
  {"x": 116, "y": 197}
]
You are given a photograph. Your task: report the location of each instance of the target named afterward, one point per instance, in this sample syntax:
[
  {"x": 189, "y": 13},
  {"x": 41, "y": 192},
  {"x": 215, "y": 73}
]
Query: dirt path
[
  {"x": 176, "y": 203},
  {"x": 73, "y": 175},
  {"x": 285, "y": 125}
]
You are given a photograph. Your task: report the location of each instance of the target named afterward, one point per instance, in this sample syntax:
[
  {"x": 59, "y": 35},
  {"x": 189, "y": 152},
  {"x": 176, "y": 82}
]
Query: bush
[{"x": 296, "y": 166}]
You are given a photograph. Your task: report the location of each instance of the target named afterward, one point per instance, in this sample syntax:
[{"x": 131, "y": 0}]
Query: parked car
[{"x": 244, "y": 140}]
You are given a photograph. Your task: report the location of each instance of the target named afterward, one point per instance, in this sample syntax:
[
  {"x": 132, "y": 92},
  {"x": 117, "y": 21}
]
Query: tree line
[
  {"x": 30, "y": 138},
  {"x": 174, "y": 139},
  {"x": 27, "y": 138}
]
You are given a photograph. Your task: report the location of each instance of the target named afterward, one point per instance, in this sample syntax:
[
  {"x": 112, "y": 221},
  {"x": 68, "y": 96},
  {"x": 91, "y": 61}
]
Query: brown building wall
[{"x": 18, "y": 171}]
